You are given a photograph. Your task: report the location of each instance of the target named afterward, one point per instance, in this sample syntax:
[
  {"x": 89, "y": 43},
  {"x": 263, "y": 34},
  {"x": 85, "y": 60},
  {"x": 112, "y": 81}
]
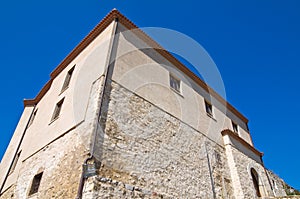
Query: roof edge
[{"x": 130, "y": 25}]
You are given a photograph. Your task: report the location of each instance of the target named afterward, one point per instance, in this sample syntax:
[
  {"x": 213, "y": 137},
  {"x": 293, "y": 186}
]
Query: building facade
[{"x": 121, "y": 117}]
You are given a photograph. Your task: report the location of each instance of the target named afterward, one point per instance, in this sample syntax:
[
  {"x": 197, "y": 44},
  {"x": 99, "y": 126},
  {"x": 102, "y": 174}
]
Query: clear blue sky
[{"x": 255, "y": 44}]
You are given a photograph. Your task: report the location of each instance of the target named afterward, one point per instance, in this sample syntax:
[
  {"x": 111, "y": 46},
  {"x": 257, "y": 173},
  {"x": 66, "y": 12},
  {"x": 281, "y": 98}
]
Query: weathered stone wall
[
  {"x": 60, "y": 163},
  {"x": 9, "y": 193},
  {"x": 61, "y": 160},
  {"x": 145, "y": 148},
  {"x": 243, "y": 166},
  {"x": 277, "y": 184}
]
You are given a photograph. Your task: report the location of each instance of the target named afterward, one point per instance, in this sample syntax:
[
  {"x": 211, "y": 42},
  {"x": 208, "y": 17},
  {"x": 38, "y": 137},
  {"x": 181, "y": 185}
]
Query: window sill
[
  {"x": 34, "y": 195},
  {"x": 177, "y": 92},
  {"x": 211, "y": 116},
  {"x": 63, "y": 90},
  {"x": 53, "y": 120}
]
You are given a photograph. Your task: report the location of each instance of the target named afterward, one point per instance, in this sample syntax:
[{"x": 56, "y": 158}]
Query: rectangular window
[
  {"x": 32, "y": 118},
  {"x": 35, "y": 183},
  {"x": 208, "y": 108},
  {"x": 14, "y": 164},
  {"x": 175, "y": 83},
  {"x": 57, "y": 109},
  {"x": 68, "y": 79},
  {"x": 235, "y": 127}
]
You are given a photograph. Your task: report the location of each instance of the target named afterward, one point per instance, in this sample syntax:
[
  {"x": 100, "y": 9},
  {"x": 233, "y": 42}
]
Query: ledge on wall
[{"x": 231, "y": 138}]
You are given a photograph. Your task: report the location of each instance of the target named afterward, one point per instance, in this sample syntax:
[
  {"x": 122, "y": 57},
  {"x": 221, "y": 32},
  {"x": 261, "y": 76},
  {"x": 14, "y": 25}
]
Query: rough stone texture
[
  {"x": 100, "y": 187},
  {"x": 9, "y": 193},
  {"x": 244, "y": 165},
  {"x": 60, "y": 161},
  {"x": 63, "y": 162},
  {"x": 147, "y": 148},
  {"x": 277, "y": 184}
]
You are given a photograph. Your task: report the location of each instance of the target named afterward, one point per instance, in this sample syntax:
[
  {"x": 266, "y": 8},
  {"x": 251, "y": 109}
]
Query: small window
[
  {"x": 208, "y": 108},
  {"x": 57, "y": 109},
  {"x": 235, "y": 127},
  {"x": 32, "y": 118},
  {"x": 68, "y": 79},
  {"x": 35, "y": 183},
  {"x": 175, "y": 83},
  {"x": 14, "y": 163}
]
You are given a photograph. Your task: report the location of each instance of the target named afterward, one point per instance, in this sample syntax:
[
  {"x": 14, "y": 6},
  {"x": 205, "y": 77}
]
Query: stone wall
[
  {"x": 61, "y": 160},
  {"x": 277, "y": 184},
  {"x": 243, "y": 166},
  {"x": 60, "y": 163},
  {"x": 9, "y": 193},
  {"x": 146, "y": 149}
]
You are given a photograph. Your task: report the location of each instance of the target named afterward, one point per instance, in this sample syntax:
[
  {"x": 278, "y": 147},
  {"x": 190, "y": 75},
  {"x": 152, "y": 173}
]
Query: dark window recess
[
  {"x": 57, "y": 109},
  {"x": 175, "y": 83},
  {"x": 36, "y": 183},
  {"x": 68, "y": 79},
  {"x": 32, "y": 118},
  {"x": 255, "y": 180},
  {"x": 15, "y": 162},
  {"x": 235, "y": 127},
  {"x": 208, "y": 108}
]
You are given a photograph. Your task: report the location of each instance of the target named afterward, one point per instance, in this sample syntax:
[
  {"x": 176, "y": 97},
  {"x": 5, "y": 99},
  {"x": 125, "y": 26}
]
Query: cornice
[
  {"x": 128, "y": 24},
  {"x": 243, "y": 142}
]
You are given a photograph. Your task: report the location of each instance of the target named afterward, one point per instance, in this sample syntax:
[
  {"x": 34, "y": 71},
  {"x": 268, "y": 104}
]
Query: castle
[{"x": 121, "y": 117}]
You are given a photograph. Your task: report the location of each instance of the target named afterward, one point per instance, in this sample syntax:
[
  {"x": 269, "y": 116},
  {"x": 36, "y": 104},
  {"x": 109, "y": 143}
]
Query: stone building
[{"x": 121, "y": 117}]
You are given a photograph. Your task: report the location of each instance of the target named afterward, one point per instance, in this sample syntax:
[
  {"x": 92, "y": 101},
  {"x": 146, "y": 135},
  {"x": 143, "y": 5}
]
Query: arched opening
[{"x": 255, "y": 180}]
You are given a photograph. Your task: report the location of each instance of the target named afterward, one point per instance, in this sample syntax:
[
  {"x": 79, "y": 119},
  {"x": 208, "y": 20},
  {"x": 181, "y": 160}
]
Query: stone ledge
[{"x": 243, "y": 142}]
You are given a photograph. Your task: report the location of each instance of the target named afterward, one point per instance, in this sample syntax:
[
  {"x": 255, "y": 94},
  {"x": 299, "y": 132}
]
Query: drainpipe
[
  {"x": 18, "y": 148},
  {"x": 88, "y": 169},
  {"x": 210, "y": 172}
]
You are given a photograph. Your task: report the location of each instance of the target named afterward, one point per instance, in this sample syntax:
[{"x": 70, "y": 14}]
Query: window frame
[
  {"x": 209, "y": 108},
  {"x": 32, "y": 118},
  {"x": 235, "y": 127},
  {"x": 57, "y": 110},
  {"x": 14, "y": 163},
  {"x": 68, "y": 79},
  {"x": 35, "y": 184},
  {"x": 177, "y": 82}
]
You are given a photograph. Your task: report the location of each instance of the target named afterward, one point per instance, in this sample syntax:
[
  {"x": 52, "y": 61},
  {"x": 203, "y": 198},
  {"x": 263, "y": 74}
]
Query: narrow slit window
[
  {"x": 32, "y": 118},
  {"x": 175, "y": 83},
  {"x": 14, "y": 163},
  {"x": 68, "y": 79},
  {"x": 36, "y": 182},
  {"x": 235, "y": 127},
  {"x": 57, "y": 109},
  {"x": 208, "y": 108}
]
